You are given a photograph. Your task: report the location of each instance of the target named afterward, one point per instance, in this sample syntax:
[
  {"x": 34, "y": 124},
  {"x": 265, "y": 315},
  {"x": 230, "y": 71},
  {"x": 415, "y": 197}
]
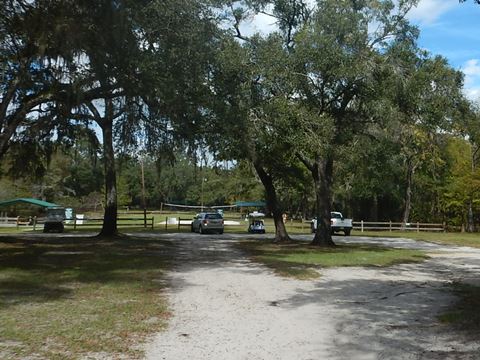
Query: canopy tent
[{"x": 28, "y": 201}]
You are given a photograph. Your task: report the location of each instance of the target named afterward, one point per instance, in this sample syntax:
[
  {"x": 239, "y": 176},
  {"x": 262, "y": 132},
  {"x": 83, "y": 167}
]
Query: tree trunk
[
  {"x": 408, "y": 194},
  {"x": 281, "y": 235},
  {"x": 470, "y": 223},
  {"x": 109, "y": 227},
  {"x": 322, "y": 173},
  {"x": 374, "y": 210},
  {"x": 470, "y": 220}
]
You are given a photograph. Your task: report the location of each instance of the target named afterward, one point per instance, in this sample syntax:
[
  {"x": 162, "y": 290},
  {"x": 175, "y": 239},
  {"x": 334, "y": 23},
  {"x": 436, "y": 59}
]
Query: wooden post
[
  {"x": 18, "y": 220},
  {"x": 153, "y": 222},
  {"x": 444, "y": 225},
  {"x": 418, "y": 227},
  {"x": 166, "y": 223},
  {"x": 361, "y": 224},
  {"x": 390, "y": 225},
  {"x": 179, "y": 221},
  {"x": 75, "y": 222},
  {"x": 34, "y": 223}
]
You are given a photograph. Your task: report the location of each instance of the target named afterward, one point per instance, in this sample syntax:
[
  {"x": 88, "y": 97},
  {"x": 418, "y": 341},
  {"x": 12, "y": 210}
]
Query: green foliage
[{"x": 178, "y": 88}]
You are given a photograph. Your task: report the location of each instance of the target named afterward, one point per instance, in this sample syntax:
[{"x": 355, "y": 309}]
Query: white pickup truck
[{"x": 337, "y": 223}]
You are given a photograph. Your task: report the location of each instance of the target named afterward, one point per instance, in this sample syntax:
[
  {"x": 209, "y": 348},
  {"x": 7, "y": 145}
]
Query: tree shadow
[
  {"x": 389, "y": 313},
  {"x": 45, "y": 269}
]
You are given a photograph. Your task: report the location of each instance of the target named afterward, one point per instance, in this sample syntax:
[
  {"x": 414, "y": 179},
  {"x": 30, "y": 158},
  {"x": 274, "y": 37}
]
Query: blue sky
[
  {"x": 452, "y": 30},
  {"x": 447, "y": 28}
]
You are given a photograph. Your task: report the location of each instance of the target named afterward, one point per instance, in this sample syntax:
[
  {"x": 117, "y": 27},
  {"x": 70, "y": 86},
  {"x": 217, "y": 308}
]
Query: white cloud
[
  {"x": 260, "y": 23},
  {"x": 427, "y": 12},
  {"x": 471, "y": 69}
]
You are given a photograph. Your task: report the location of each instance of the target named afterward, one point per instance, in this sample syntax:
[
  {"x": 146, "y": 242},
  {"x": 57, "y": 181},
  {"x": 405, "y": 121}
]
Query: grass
[
  {"x": 300, "y": 260},
  {"x": 459, "y": 239},
  {"x": 66, "y": 300},
  {"x": 464, "y": 313}
]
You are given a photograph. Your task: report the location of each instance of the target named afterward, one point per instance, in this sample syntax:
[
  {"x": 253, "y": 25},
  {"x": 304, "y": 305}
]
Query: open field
[{"x": 65, "y": 298}]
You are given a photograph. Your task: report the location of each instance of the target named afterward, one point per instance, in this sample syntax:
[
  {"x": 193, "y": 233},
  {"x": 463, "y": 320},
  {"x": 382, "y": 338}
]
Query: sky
[
  {"x": 452, "y": 30},
  {"x": 447, "y": 28}
]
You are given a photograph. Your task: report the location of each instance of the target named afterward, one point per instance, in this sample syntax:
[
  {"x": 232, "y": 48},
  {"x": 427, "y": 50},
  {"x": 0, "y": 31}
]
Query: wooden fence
[
  {"x": 396, "y": 226},
  {"x": 180, "y": 222},
  {"x": 121, "y": 222},
  {"x": 77, "y": 222}
]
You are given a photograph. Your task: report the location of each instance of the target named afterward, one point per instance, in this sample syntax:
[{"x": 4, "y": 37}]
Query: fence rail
[
  {"x": 77, "y": 222},
  {"x": 185, "y": 222},
  {"x": 121, "y": 222},
  {"x": 396, "y": 226}
]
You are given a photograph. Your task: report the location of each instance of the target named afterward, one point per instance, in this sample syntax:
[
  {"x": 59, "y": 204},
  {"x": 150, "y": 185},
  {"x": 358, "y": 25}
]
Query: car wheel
[
  {"x": 347, "y": 232},
  {"x": 200, "y": 230},
  {"x": 191, "y": 228},
  {"x": 220, "y": 232}
]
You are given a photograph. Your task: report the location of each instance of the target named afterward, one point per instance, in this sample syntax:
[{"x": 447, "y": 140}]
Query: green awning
[{"x": 28, "y": 201}]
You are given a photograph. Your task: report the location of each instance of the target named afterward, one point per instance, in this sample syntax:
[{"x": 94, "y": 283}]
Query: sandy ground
[{"x": 226, "y": 307}]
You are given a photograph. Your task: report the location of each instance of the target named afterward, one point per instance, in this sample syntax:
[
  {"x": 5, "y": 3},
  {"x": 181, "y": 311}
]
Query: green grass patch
[
  {"x": 70, "y": 298},
  {"x": 299, "y": 260},
  {"x": 459, "y": 239},
  {"x": 464, "y": 314}
]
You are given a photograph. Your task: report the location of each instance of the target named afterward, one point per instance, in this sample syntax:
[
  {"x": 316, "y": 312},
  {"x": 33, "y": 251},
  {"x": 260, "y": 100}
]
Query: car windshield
[
  {"x": 336, "y": 215},
  {"x": 213, "y": 216}
]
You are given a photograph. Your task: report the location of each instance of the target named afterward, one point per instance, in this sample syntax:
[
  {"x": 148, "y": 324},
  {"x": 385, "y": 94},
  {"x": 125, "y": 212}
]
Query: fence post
[
  {"x": 390, "y": 227},
  {"x": 34, "y": 223},
  {"x": 418, "y": 227},
  {"x": 361, "y": 224},
  {"x": 166, "y": 223},
  {"x": 179, "y": 221},
  {"x": 75, "y": 222},
  {"x": 444, "y": 225},
  {"x": 18, "y": 220},
  {"x": 153, "y": 221}
]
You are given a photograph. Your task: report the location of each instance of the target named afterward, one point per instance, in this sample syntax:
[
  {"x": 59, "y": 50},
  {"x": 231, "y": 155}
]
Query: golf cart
[
  {"x": 255, "y": 223},
  {"x": 54, "y": 220}
]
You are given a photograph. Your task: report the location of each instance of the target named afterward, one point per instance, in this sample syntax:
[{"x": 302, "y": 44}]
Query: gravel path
[{"x": 226, "y": 307}]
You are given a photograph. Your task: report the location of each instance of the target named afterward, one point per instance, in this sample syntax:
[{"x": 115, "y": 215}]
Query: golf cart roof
[{"x": 256, "y": 214}]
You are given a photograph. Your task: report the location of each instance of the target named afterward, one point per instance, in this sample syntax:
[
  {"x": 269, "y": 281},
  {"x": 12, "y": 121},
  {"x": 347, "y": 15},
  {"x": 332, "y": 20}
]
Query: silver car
[{"x": 208, "y": 222}]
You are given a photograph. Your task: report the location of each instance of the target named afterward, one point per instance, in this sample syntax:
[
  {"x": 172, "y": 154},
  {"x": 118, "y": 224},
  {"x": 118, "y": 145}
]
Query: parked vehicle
[
  {"x": 208, "y": 222},
  {"x": 54, "y": 220},
  {"x": 255, "y": 223},
  {"x": 337, "y": 223}
]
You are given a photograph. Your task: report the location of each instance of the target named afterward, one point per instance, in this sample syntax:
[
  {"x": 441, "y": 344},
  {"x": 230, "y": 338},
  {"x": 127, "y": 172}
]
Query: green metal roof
[{"x": 28, "y": 201}]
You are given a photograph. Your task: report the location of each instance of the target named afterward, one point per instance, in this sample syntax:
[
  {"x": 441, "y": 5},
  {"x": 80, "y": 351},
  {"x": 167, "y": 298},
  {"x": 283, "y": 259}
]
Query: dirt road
[{"x": 226, "y": 307}]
